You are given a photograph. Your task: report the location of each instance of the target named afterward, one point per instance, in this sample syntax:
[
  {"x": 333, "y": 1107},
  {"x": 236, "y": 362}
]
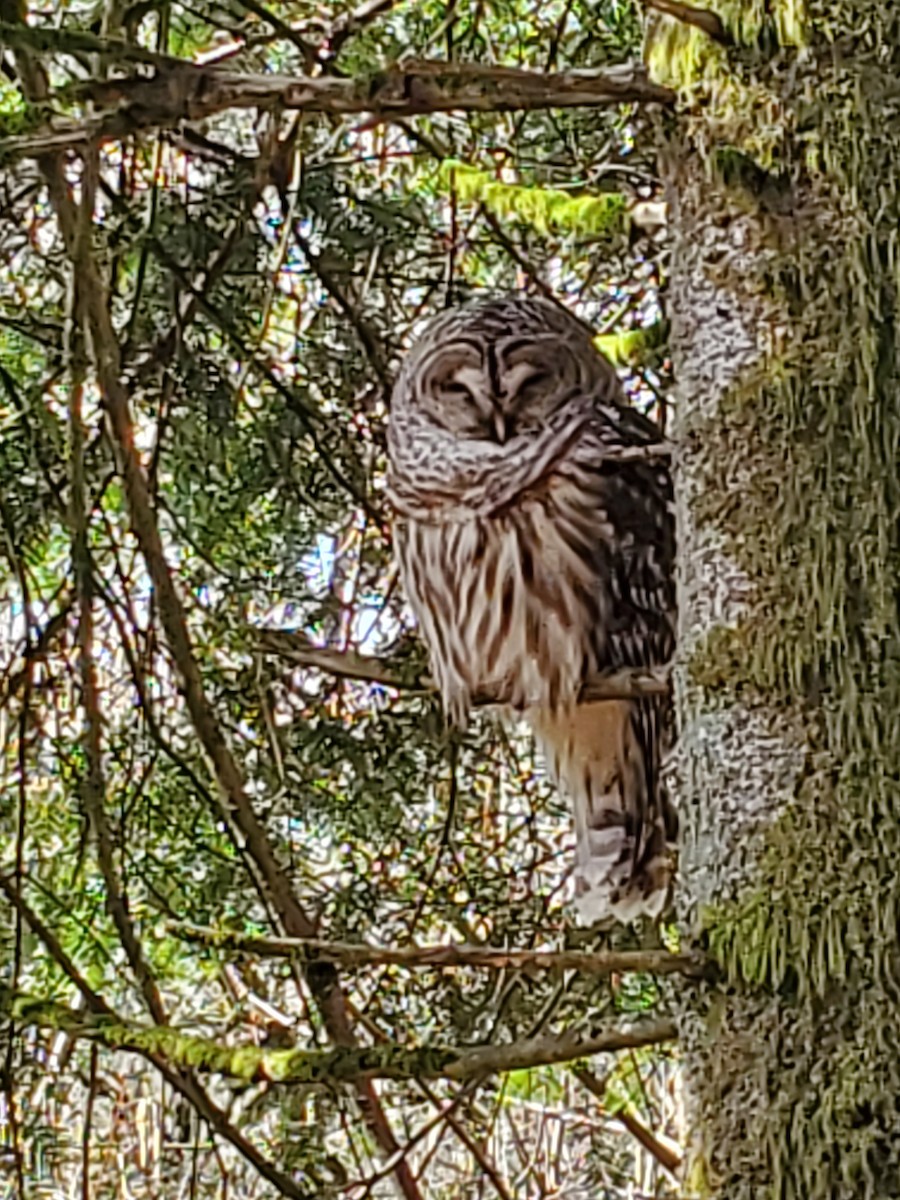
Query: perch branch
[
  {"x": 346, "y": 954},
  {"x": 183, "y": 92},
  {"x": 295, "y": 647}
]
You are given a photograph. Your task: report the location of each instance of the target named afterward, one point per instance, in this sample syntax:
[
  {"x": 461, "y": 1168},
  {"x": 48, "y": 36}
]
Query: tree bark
[{"x": 783, "y": 293}]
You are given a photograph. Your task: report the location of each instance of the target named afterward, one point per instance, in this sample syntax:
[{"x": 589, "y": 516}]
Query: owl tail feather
[{"x": 606, "y": 757}]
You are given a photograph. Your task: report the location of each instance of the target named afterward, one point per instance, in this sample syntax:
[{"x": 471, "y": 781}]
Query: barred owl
[{"x": 535, "y": 555}]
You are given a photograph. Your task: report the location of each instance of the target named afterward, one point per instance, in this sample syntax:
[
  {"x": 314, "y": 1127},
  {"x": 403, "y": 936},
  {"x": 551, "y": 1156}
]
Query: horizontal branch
[
  {"x": 295, "y": 647},
  {"x": 186, "y": 92},
  {"x": 346, "y": 954},
  {"x": 344, "y": 1064}
]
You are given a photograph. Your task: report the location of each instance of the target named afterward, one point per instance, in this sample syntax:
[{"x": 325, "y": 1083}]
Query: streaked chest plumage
[{"x": 508, "y": 602}]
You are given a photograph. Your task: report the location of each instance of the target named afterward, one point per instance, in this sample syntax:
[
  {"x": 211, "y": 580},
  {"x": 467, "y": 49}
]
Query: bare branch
[
  {"x": 663, "y": 1153},
  {"x": 347, "y": 954},
  {"x": 187, "y": 93},
  {"x": 700, "y": 18},
  {"x": 295, "y": 647}
]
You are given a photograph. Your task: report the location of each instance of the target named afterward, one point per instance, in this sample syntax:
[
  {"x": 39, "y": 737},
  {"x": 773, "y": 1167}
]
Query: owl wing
[{"x": 607, "y": 755}]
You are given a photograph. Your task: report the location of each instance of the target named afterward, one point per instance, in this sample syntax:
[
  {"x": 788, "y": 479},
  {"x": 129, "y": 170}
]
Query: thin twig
[
  {"x": 93, "y": 785},
  {"x": 354, "y": 21},
  {"x": 485, "y": 1165},
  {"x": 367, "y": 336},
  {"x": 283, "y": 30},
  {"x": 442, "y": 1114},
  {"x": 87, "y": 1127},
  {"x": 664, "y": 1155}
]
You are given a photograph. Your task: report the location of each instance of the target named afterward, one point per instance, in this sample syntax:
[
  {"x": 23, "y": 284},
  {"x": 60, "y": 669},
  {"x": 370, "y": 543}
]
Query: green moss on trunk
[{"x": 817, "y": 530}]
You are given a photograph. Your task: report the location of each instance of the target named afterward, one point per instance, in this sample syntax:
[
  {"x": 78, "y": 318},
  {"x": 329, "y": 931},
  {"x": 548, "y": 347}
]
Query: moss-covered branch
[
  {"x": 544, "y": 208},
  {"x": 344, "y": 1064}
]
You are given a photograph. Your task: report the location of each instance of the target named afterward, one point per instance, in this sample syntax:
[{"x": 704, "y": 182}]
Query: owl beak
[{"x": 501, "y": 425}]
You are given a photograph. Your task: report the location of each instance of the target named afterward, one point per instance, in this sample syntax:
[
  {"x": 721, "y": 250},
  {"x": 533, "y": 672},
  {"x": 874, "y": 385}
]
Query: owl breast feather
[{"x": 507, "y": 604}]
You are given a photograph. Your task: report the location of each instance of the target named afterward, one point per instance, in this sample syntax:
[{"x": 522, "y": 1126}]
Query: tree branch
[
  {"x": 182, "y": 1081},
  {"x": 181, "y": 93},
  {"x": 237, "y": 808},
  {"x": 664, "y": 1154},
  {"x": 295, "y": 647},
  {"x": 250, "y": 1064},
  {"x": 346, "y": 954},
  {"x": 354, "y": 21},
  {"x": 92, "y": 787},
  {"x": 700, "y": 18}
]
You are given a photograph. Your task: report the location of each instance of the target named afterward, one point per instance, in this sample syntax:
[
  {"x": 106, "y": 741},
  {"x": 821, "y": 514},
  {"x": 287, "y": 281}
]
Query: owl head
[{"x": 499, "y": 368}]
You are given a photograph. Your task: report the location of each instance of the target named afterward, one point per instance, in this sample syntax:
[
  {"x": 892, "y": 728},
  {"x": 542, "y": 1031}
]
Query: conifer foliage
[{"x": 224, "y": 781}]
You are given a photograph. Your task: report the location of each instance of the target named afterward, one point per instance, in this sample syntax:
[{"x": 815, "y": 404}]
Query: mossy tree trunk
[{"x": 785, "y": 188}]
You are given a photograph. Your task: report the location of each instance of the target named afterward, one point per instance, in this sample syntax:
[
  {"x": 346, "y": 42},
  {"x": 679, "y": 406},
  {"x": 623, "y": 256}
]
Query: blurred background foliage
[{"x": 266, "y": 271}]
